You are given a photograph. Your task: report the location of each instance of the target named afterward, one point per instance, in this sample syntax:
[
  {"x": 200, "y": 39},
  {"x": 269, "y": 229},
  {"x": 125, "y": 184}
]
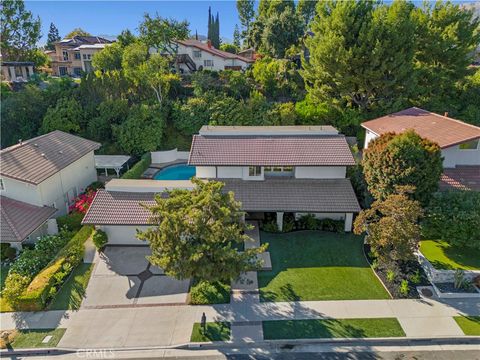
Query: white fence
[{"x": 160, "y": 157}]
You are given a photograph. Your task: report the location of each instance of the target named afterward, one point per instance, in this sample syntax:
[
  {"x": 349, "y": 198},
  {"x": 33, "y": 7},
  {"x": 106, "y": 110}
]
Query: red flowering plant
[{"x": 83, "y": 202}]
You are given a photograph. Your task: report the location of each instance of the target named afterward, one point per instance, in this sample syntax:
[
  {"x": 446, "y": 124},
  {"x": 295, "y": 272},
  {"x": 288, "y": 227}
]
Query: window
[
  {"x": 197, "y": 54},
  {"x": 77, "y": 71},
  {"x": 27, "y": 71},
  {"x": 77, "y": 56},
  {"x": 278, "y": 171},
  {"x": 2, "y": 185},
  {"x": 62, "y": 70},
  {"x": 469, "y": 145},
  {"x": 255, "y": 171},
  {"x": 65, "y": 55},
  {"x": 208, "y": 62}
]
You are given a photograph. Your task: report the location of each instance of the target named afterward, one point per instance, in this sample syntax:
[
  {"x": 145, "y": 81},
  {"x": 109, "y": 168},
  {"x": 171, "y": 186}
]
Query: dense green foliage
[
  {"x": 205, "y": 293},
  {"x": 52, "y": 37},
  {"x": 454, "y": 216},
  {"x": 195, "y": 234},
  {"x": 406, "y": 159},
  {"x": 100, "y": 239},
  {"x": 72, "y": 221},
  {"x": 139, "y": 168}
]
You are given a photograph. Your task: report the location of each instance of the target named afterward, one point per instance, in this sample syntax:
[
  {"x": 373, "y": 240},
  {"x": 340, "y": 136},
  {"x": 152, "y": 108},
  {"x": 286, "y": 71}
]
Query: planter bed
[
  {"x": 448, "y": 290},
  {"x": 408, "y": 269}
]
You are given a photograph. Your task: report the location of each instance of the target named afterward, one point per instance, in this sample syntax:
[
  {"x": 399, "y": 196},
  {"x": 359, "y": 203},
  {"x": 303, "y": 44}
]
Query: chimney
[
  {"x": 209, "y": 43},
  {"x": 446, "y": 114}
]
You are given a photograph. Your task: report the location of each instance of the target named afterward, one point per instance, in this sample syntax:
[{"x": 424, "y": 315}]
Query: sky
[{"x": 111, "y": 17}]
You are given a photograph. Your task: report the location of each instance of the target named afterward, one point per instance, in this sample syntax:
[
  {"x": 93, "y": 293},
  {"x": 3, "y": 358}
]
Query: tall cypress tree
[
  {"x": 209, "y": 33},
  {"x": 216, "y": 41},
  {"x": 53, "y": 37}
]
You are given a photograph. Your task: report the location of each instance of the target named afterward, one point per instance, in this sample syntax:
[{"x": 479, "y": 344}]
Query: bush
[
  {"x": 94, "y": 186},
  {"x": 288, "y": 225},
  {"x": 7, "y": 252},
  {"x": 209, "y": 293},
  {"x": 404, "y": 288},
  {"x": 72, "y": 221},
  {"x": 100, "y": 239},
  {"x": 331, "y": 225},
  {"x": 308, "y": 222},
  {"x": 139, "y": 168},
  {"x": 454, "y": 216},
  {"x": 270, "y": 226}
]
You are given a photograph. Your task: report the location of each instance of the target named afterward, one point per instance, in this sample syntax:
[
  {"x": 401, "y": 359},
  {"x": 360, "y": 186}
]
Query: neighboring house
[
  {"x": 49, "y": 170},
  {"x": 459, "y": 142},
  {"x": 74, "y": 56},
  {"x": 22, "y": 222},
  {"x": 271, "y": 169},
  {"x": 206, "y": 57},
  {"x": 17, "y": 71}
]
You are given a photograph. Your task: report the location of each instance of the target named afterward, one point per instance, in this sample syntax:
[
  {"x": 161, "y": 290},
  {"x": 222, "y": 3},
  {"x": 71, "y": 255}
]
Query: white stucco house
[
  {"x": 459, "y": 142},
  {"x": 271, "y": 169},
  {"x": 49, "y": 170}
]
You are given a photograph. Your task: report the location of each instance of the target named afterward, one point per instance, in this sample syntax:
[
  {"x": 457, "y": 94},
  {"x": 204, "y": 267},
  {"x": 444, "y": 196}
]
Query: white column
[
  {"x": 52, "y": 227},
  {"x": 16, "y": 245},
  {"x": 348, "y": 222},
  {"x": 280, "y": 220}
]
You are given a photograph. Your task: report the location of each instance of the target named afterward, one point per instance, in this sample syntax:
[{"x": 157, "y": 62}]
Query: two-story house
[
  {"x": 74, "y": 56},
  {"x": 271, "y": 169},
  {"x": 459, "y": 142}
]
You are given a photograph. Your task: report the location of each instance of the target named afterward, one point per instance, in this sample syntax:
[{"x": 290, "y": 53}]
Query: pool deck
[{"x": 154, "y": 168}]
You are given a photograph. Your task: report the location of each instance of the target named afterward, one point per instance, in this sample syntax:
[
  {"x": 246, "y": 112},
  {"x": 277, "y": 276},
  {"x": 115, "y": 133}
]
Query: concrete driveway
[{"x": 123, "y": 277}]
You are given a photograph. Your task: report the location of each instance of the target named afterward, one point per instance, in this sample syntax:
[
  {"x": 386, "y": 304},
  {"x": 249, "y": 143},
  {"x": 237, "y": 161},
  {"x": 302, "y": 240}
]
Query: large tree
[
  {"x": 20, "y": 31},
  {"x": 52, "y": 37},
  {"x": 197, "y": 232},
  {"x": 361, "y": 55},
  {"x": 392, "y": 228},
  {"x": 67, "y": 115},
  {"x": 236, "y": 37},
  {"x": 77, "y": 32},
  {"x": 406, "y": 159},
  {"x": 306, "y": 9},
  {"x": 246, "y": 14}
]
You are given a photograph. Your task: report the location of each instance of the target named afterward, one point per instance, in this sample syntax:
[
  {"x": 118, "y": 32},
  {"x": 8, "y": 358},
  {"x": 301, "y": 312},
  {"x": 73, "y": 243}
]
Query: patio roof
[{"x": 115, "y": 162}]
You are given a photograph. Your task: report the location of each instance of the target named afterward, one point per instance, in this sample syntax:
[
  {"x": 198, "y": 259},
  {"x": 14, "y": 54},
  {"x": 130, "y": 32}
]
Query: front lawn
[
  {"x": 317, "y": 265},
  {"x": 215, "y": 331},
  {"x": 470, "y": 325},
  {"x": 445, "y": 257},
  {"x": 34, "y": 338},
  {"x": 332, "y": 328},
  {"x": 71, "y": 294}
]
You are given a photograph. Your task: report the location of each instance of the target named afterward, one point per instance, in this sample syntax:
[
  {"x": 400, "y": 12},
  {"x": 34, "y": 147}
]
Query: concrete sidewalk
[{"x": 169, "y": 325}]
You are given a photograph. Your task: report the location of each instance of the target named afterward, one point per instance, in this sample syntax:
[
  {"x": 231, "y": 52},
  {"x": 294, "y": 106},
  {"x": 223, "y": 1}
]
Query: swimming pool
[{"x": 176, "y": 172}]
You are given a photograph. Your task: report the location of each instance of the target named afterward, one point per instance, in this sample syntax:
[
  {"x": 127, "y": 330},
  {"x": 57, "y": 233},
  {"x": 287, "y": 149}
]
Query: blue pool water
[{"x": 176, "y": 172}]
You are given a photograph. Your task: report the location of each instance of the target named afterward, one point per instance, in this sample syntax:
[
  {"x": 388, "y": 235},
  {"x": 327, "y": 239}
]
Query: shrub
[
  {"x": 331, "y": 225},
  {"x": 139, "y": 168},
  {"x": 390, "y": 275},
  {"x": 94, "y": 186},
  {"x": 307, "y": 222},
  {"x": 416, "y": 278},
  {"x": 288, "y": 226},
  {"x": 270, "y": 226},
  {"x": 404, "y": 288},
  {"x": 83, "y": 202},
  {"x": 72, "y": 221},
  {"x": 209, "y": 293},
  {"x": 454, "y": 216},
  {"x": 7, "y": 251},
  {"x": 15, "y": 285},
  {"x": 100, "y": 239}
]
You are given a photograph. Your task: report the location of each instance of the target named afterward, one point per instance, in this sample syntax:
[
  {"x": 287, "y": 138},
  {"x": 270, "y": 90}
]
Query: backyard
[
  {"x": 316, "y": 265},
  {"x": 443, "y": 256}
]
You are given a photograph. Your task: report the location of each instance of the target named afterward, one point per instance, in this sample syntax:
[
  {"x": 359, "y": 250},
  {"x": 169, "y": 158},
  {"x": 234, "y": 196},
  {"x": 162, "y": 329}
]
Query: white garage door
[{"x": 123, "y": 235}]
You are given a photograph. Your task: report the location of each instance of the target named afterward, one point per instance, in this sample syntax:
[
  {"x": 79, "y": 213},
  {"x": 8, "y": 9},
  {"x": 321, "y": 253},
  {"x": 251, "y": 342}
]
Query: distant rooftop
[
  {"x": 81, "y": 40},
  {"x": 37, "y": 159},
  {"x": 441, "y": 129},
  {"x": 91, "y": 46},
  {"x": 208, "y": 130}
]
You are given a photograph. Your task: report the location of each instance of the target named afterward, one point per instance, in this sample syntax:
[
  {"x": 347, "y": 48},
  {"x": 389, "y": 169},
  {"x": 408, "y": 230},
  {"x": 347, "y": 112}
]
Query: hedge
[
  {"x": 44, "y": 286},
  {"x": 72, "y": 221},
  {"x": 139, "y": 168}
]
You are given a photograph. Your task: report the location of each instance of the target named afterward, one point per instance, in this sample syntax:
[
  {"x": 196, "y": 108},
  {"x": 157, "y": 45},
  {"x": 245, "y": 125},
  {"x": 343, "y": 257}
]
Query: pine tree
[
  {"x": 236, "y": 36},
  {"x": 53, "y": 37}
]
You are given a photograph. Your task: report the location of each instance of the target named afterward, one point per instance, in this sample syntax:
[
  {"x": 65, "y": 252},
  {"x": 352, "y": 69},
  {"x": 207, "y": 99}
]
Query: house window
[
  {"x": 77, "y": 56},
  {"x": 254, "y": 171},
  {"x": 469, "y": 145},
  {"x": 62, "y": 70},
  {"x": 77, "y": 71},
  {"x": 27, "y": 71},
  {"x": 197, "y": 54},
  {"x": 65, "y": 55},
  {"x": 278, "y": 170},
  {"x": 2, "y": 185},
  {"x": 208, "y": 62},
  {"x": 87, "y": 56}
]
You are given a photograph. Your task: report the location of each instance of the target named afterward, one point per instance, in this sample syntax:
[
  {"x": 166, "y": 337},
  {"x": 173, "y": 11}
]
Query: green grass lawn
[
  {"x": 470, "y": 325},
  {"x": 332, "y": 328},
  {"x": 445, "y": 257},
  {"x": 316, "y": 265},
  {"x": 33, "y": 338},
  {"x": 71, "y": 294},
  {"x": 216, "y": 331}
]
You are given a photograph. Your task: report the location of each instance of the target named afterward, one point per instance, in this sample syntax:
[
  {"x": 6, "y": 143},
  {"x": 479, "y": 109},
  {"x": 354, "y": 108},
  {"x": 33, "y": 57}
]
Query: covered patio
[{"x": 109, "y": 162}]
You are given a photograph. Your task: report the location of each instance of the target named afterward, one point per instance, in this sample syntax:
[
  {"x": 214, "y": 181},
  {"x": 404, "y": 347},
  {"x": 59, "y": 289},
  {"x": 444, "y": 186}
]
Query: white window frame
[
  {"x": 208, "y": 63},
  {"x": 65, "y": 55},
  {"x": 256, "y": 170},
  {"x": 197, "y": 54}
]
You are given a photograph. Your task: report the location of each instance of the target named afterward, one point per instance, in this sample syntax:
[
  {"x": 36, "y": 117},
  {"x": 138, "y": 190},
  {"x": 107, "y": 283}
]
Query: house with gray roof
[
  {"x": 270, "y": 169},
  {"x": 48, "y": 170}
]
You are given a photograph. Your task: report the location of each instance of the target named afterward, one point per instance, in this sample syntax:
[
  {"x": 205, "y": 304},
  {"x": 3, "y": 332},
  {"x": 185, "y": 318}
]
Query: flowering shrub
[{"x": 83, "y": 202}]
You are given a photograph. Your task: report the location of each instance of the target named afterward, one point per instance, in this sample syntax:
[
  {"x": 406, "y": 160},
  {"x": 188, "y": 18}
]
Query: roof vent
[
  {"x": 43, "y": 154},
  {"x": 20, "y": 141},
  {"x": 36, "y": 145},
  {"x": 60, "y": 151},
  {"x": 446, "y": 114}
]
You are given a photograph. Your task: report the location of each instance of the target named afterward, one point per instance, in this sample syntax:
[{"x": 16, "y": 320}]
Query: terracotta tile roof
[
  {"x": 270, "y": 151},
  {"x": 461, "y": 178},
  {"x": 223, "y": 54},
  {"x": 119, "y": 208},
  {"x": 296, "y": 195},
  {"x": 37, "y": 159},
  {"x": 440, "y": 129},
  {"x": 20, "y": 219}
]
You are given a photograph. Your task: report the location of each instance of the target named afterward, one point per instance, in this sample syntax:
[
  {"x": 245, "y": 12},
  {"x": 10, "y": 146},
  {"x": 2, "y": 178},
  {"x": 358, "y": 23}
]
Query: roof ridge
[
  {"x": 26, "y": 142},
  {"x": 447, "y": 118}
]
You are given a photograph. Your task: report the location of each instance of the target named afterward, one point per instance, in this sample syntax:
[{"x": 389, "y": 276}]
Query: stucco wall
[
  {"x": 123, "y": 234},
  {"x": 455, "y": 156},
  {"x": 205, "y": 172},
  {"x": 21, "y": 191},
  {"x": 159, "y": 157},
  {"x": 320, "y": 172},
  {"x": 229, "y": 172}
]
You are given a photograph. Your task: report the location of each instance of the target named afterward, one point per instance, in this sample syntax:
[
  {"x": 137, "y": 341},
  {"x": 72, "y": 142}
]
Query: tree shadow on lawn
[
  {"x": 314, "y": 329},
  {"x": 463, "y": 256},
  {"x": 286, "y": 292}
]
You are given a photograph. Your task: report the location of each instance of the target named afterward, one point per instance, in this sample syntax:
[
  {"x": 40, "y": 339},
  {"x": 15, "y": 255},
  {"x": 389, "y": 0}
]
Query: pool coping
[{"x": 153, "y": 169}]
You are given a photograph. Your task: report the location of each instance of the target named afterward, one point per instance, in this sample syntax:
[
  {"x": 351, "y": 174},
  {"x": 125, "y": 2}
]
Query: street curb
[{"x": 282, "y": 344}]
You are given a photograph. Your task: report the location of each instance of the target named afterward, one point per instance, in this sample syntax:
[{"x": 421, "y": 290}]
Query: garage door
[{"x": 123, "y": 235}]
